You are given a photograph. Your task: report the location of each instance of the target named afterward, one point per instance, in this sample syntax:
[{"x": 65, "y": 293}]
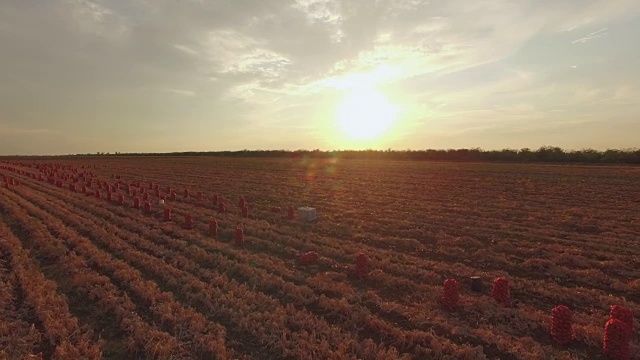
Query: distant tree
[
  {"x": 543, "y": 154},
  {"x": 550, "y": 154}
]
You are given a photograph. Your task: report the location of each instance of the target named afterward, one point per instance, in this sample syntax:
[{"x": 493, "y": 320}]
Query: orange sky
[{"x": 157, "y": 76}]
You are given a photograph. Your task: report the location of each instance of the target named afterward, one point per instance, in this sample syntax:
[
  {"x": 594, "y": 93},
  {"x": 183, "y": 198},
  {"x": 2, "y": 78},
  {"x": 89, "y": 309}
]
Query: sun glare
[{"x": 365, "y": 114}]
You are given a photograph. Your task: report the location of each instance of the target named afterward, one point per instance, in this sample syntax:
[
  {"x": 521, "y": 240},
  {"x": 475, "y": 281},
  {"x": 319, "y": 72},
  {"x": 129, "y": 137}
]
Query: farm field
[{"x": 82, "y": 276}]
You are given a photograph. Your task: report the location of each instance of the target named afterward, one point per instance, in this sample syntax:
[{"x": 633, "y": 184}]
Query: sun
[{"x": 365, "y": 114}]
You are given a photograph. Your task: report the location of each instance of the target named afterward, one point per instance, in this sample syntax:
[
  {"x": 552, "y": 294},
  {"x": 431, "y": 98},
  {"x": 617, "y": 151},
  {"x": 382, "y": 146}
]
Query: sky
[{"x": 87, "y": 76}]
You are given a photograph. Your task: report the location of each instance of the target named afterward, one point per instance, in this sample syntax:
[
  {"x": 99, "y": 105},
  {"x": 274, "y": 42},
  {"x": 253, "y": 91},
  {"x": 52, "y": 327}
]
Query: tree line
[{"x": 544, "y": 154}]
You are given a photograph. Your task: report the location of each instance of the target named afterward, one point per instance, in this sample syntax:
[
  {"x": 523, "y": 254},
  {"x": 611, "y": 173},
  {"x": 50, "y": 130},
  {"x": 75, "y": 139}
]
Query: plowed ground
[{"x": 86, "y": 277}]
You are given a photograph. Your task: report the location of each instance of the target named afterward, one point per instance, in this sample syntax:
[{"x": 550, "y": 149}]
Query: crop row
[
  {"x": 75, "y": 273},
  {"x": 102, "y": 215},
  {"x": 236, "y": 304},
  {"x": 412, "y": 249},
  {"x": 61, "y": 331}
]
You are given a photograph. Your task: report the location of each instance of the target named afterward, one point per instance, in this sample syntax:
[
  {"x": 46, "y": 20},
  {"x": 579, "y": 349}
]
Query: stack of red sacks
[
  {"x": 561, "y": 327},
  {"x": 308, "y": 258}
]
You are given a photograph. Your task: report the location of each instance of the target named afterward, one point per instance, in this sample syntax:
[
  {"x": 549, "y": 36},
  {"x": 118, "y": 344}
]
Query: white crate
[
  {"x": 307, "y": 213},
  {"x": 160, "y": 202}
]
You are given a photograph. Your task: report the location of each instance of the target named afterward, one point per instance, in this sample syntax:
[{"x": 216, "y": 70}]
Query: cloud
[
  {"x": 233, "y": 53},
  {"x": 179, "y": 91},
  {"x": 185, "y": 49},
  {"x": 577, "y": 24},
  {"x": 68, "y": 63},
  {"x": 593, "y": 35},
  {"x": 259, "y": 62},
  {"x": 95, "y": 18},
  {"x": 326, "y": 12},
  {"x": 242, "y": 62}
]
